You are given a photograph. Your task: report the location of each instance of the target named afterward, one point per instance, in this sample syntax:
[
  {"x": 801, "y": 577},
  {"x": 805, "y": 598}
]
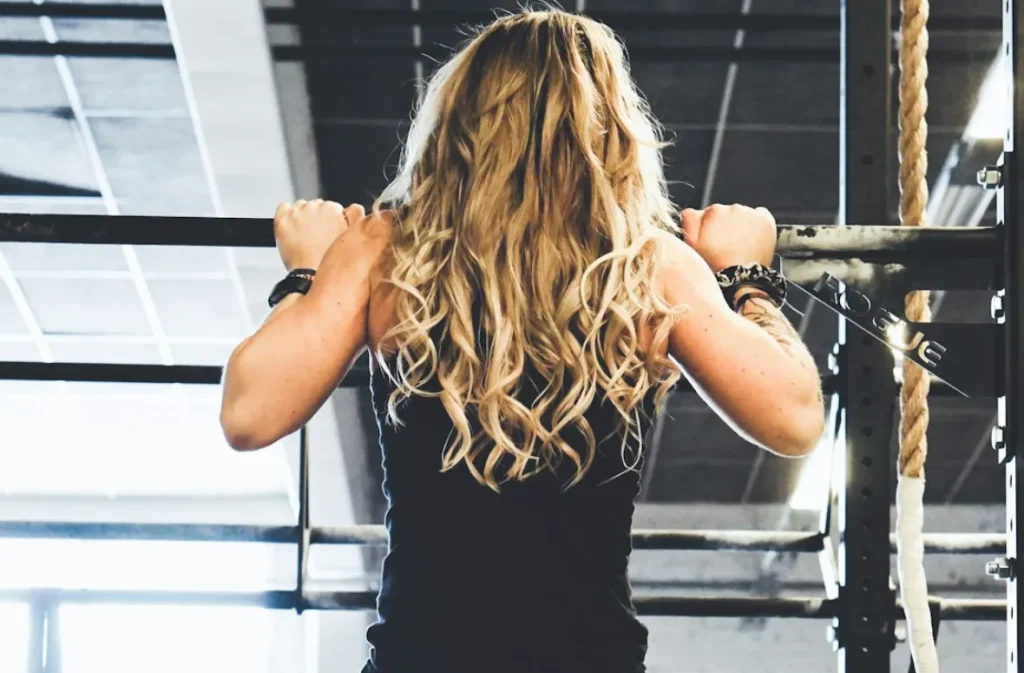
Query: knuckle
[{"x": 354, "y": 212}]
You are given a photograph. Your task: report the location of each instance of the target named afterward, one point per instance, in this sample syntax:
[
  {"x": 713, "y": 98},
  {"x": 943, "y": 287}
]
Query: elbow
[
  {"x": 803, "y": 430},
  {"x": 806, "y": 430},
  {"x": 238, "y": 421},
  {"x": 240, "y": 433}
]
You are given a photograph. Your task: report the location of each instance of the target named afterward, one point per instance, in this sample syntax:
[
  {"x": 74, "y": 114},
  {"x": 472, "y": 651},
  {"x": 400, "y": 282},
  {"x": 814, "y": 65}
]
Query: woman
[{"x": 520, "y": 303}]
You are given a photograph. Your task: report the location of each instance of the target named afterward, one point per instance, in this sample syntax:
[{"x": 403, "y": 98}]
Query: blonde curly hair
[{"x": 528, "y": 200}]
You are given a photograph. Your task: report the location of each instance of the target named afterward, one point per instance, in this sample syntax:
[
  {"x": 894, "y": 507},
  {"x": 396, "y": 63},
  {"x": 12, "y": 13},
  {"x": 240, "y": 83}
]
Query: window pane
[
  {"x": 113, "y": 439},
  {"x": 139, "y": 565},
  {"x": 164, "y": 639},
  {"x": 14, "y": 637}
]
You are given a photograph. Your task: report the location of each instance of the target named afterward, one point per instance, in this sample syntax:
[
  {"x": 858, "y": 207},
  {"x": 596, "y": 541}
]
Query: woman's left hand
[{"x": 304, "y": 230}]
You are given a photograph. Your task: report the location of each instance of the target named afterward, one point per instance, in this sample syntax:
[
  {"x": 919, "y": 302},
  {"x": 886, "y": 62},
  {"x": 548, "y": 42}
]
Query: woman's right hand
[{"x": 730, "y": 235}]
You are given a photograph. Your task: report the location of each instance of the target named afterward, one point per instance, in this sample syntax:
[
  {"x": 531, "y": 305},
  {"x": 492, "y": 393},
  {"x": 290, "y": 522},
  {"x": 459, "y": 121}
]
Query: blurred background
[{"x": 226, "y": 107}]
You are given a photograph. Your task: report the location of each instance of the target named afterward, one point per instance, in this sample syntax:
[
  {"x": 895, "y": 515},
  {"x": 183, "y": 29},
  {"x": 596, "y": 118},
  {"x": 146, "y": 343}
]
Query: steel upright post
[{"x": 863, "y": 625}]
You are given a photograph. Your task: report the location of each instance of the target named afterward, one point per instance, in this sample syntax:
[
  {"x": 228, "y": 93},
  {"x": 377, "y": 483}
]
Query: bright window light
[
  {"x": 989, "y": 118},
  {"x": 14, "y": 638},
  {"x": 107, "y": 439},
  {"x": 820, "y": 469},
  {"x": 117, "y": 638},
  {"x": 134, "y": 564},
  {"x": 165, "y": 639}
]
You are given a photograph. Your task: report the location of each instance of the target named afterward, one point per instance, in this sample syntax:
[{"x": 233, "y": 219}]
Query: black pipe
[
  {"x": 90, "y": 372},
  {"x": 662, "y": 605},
  {"x": 619, "y": 20},
  {"x": 371, "y": 535},
  {"x": 328, "y": 52},
  {"x": 868, "y": 243}
]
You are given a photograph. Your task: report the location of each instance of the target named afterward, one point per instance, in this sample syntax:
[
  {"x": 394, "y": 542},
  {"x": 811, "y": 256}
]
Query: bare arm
[
  {"x": 279, "y": 377},
  {"x": 752, "y": 369}
]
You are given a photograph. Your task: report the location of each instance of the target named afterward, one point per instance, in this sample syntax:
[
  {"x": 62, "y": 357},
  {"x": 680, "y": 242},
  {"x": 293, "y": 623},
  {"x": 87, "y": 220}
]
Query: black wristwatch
[{"x": 297, "y": 280}]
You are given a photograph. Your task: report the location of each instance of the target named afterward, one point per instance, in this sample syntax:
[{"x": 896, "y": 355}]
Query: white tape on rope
[{"x": 910, "y": 559}]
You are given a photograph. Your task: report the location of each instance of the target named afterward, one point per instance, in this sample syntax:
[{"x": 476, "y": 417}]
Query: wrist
[
  {"x": 303, "y": 265},
  {"x": 297, "y": 282},
  {"x": 750, "y": 295},
  {"x": 744, "y": 279},
  {"x": 287, "y": 301}
]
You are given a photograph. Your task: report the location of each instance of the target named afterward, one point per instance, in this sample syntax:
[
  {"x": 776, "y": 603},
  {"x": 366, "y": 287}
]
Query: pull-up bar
[{"x": 869, "y": 243}]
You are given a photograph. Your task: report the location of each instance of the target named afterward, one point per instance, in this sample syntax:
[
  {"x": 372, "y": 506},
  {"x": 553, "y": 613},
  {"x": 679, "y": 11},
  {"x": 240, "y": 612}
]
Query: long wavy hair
[{"x": 527, "y": 203}]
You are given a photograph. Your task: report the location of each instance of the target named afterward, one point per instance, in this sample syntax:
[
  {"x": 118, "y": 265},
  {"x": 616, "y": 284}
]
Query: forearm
[
  {"x": 756, "y": 307},
  {"x": 250, "y": 377},
  {"x": 234, "y": 379}
]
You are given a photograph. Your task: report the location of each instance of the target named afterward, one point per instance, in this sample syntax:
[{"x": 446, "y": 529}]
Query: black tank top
[{"x": 529, "y": 580}]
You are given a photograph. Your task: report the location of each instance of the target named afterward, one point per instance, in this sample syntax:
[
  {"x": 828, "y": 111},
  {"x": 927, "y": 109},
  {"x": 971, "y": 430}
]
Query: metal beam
[
  {"x": 357, "y": 377},
  {"x": 349, "y": 51},
  {"x": 1009, "y": 210},
  {"x": 662, "y": 539},
  {"x": 875, "y": 244},
  {"x": 327, "y": 14},
  {"x": 864, "y": 629},
  {"x": 648, "y": 605}
]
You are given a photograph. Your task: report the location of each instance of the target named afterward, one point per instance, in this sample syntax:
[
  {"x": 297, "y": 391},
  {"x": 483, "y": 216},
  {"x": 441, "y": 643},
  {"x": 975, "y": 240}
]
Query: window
[
  {"x": 127, "y": 638},
  {"x": 164, "y": 639},
  {"x": 14, "y": 640},
  {"x": 114, "y": 439}
]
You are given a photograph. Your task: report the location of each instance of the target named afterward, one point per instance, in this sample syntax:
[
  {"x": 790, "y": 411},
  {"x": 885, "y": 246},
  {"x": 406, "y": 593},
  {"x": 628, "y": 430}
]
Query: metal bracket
[{"x": 885, "y": 326}]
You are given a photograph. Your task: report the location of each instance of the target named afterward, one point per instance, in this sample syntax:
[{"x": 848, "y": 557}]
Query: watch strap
[{"x": 297, "y": 281}]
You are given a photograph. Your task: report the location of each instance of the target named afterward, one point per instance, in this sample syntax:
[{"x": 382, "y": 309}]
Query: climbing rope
[{"x": 913, "y": 157}]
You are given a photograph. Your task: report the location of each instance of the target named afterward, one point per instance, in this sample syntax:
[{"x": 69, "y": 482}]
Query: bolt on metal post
[
  {"x": 990, "y": 177},
  {"x": 1001, "y": 568}
]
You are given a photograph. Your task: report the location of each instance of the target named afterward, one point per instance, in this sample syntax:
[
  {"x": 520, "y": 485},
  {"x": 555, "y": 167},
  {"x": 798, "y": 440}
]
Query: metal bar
[
  {"x": 36, "y": 656},
  {"x": 661, "y": 605},
  {"x": 54, "y": 649},
  {"x": 134, "y": 373},
  {"x": 162, "y": 51},
  {"x": 880, "y": 244},
  {"x": 1010, "y": 208},
  {"x": 102, "y": 372},
  {"x": 971, "y": 610},
  {"x": 864, "y": 625},
  {"x": 868, "y": 243},
  {"x": 618, "y": 20},
  {"x": 681, "y": 539},
  {"x": 302, "y": 528},
  {"x": 75, "y": 10},
  {"x": 324, "y": 52},
  {"x": 323, "y": 15}
]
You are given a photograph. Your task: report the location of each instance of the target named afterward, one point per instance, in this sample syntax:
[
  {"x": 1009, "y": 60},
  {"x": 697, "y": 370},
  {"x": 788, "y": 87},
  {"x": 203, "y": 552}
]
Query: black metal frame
[
  {"x": 1010, "y": 206},
  {"x": 864, "y": 628},
  {"x": 619, "y": 20},
  {"x": 863, "y": 606}
]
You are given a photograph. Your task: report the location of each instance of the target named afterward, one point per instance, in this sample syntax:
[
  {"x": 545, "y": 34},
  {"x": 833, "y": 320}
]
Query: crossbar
[
  {"x": 869, "y": 243},
  {"x": 664, "y": 539},
  {"x": 801, "y": 607}
]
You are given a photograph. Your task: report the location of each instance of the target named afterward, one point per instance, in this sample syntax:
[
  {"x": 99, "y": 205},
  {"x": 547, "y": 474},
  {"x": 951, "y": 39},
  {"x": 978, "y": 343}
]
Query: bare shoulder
[{"x": 378, "y": 233}]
